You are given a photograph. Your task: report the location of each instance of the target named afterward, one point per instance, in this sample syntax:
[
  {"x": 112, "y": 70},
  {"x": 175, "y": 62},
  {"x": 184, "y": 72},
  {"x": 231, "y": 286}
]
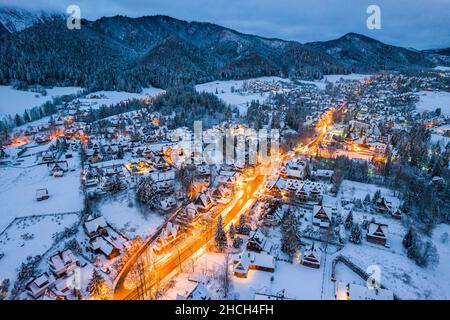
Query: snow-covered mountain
[
  {"x": 123, "y": 53},
  {"x": 16, "y": 19},
  {"x": 364, "y": 54}
]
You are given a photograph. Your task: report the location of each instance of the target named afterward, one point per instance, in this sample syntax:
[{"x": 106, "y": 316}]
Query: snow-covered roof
[
  {"x": 358, "y": 292},
  {"x": 61, "y": 259},
  {"x": 378, "y": 230},
  {"x": 102, "y": 244},
  {"x": 94, "y": 224},
  {"x": 243, "y": 261}
]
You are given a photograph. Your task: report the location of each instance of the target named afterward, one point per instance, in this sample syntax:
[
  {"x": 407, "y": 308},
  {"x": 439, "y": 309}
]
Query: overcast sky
[{"x": 420, "y": 24}]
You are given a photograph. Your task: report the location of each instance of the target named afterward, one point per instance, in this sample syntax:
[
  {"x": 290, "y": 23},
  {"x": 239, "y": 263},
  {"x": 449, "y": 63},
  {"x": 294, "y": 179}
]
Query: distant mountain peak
[
  {"x": 357, "y": 36},
  {"x": 15, "y": 19}
]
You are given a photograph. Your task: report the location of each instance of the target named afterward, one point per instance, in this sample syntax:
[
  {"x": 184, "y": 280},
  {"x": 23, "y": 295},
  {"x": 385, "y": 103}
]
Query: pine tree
[
  {"x": 408, "y": 240},
  {"x": 376, "y": 196},
  {"x": 241, "y": 221},
  {"x": 349, "y": 220},
  {"x": 367, "y": 200},
  {"x": 242, "y": 227},
  {"x": 220, "y": 237},
  {"x": 355, "y": 235},
  {"x": 146, "y": 191},
  {"x": 289, "y": 234},
  {"x": 97, "y": 287},
  {"x": 232, "y": 231}
]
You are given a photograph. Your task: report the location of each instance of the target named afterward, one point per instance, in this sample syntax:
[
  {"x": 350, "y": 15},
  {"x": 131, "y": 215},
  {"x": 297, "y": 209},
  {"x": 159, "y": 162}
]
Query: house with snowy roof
[
  {"x": 377, "y": 233},
  {"x": 322, "y": 174},
  {"x": 37, "y": 286},
  {"x": 382, "y": 205},
  {"x": 353, "y": 291},
  {"x": 310, "y": 257},
  {"x": 227, "y": 177},
  {"x": 222, "y": 194},
  {"x": 102, "y": 245},
  {"x": 194, "y": 291},
  {"x": 95, "y": 226},
  {"x": 245, "y": 261},
  {"x": 203, "y": 202},
  {"x": 322, "y": 216},
  {"x": 276, "y": 187},
  {"x": 296, "y": 169},
  {"x": 62, "y": 263},
  {"x": 259, "y": 242},
  {"x": 166, "y": 204},
  {"x": 57, "y": 169}
]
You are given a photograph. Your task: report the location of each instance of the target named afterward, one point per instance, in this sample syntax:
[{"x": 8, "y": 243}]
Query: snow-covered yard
[
  {"x": 29, "y": 236},
  {"x": 18, "y": 187},
  {"x": 122, "y": 211},
  {"x": 356, "y": 190},
  {"x": 298, "y": 281},
  {"x": 398, "y": 273}
]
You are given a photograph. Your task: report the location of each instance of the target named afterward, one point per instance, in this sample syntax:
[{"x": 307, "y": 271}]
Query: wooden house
[{"x": 377, "y": 233}]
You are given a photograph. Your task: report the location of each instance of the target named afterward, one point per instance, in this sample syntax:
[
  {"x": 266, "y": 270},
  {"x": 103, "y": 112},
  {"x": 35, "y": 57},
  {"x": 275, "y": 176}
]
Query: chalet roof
[
  {"x": 102, "y": 244},
  {"x": 93, "y": 225},
  {"x": 378, "y": 230},
  {"x": 62, "y": 259},
  {"x": 311, "y": 253},
  {"x": 258, "y": 237},
  {"x": 322, "y": 210},
  {"x": 243, "y": 261},
  {"x": 203, "y": 200},
  {"x": 167, "y": 202}
]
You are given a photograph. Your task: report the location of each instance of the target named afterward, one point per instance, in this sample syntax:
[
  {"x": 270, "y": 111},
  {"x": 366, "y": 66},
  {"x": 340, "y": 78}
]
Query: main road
[{"x": 180, "y": 253}]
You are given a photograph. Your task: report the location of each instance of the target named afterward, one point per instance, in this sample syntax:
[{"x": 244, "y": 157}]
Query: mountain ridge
[{"x": 124, "y": 53}]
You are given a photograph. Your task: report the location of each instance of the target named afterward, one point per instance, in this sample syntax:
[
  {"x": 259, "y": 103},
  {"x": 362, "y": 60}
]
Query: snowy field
[
  {"x": 29, "y": 236},
  {"x": 240, "y": 100},
  {"x": 237, "y": 99},
  {"x": 108, "y": 98},
  {"x": 442, "y": 68},
  {"x": 18, "y": 190},
  {"x": 131, "y": 220},
  {"x": 16, "y": 101},
  {"x": 356, "y": 190},
  {"x": 430, "y": 100},
  {"x": 352, "y": 76}
]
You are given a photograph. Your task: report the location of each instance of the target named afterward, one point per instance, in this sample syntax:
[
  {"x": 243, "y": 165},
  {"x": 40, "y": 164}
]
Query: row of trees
[
  {"x": 187, "y": 105},
  {"x": 424, "y": 253},
  {"x": 107, "y": 111}
]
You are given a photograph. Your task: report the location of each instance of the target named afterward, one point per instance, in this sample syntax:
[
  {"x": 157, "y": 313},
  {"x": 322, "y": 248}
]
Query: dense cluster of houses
[{"x": 60, "y": 282}]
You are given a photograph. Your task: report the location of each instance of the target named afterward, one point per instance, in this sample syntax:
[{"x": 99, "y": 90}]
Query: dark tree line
[{"x": 187, "y": 105}]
